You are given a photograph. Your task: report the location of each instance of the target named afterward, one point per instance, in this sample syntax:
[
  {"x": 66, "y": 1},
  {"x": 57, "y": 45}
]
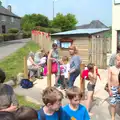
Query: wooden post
[
  {"x": 82, "y": 82},
  {"x": 25, "y": 68},
  {"x": 49, "y": 73}
]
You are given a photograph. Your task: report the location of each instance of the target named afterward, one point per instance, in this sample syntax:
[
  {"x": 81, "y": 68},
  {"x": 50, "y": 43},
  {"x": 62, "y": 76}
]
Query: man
[{"x": 112, "y": 58}]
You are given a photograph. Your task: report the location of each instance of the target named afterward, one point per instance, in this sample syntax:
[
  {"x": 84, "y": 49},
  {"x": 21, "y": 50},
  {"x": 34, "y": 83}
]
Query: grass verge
[
  {"x": 13, "y": 64},
  {"x": 23, "y": 102}
]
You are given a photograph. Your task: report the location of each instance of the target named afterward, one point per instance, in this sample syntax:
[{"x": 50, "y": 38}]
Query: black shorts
[{"x": 90, "y": 87}]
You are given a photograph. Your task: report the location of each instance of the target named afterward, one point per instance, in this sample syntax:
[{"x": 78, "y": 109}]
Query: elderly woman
[
  {"x": 54, "y": 57},
  {"x": 34, "y": 69},
  {"x": 8, "y": 101},
  {"x": 75, "y": 62}
]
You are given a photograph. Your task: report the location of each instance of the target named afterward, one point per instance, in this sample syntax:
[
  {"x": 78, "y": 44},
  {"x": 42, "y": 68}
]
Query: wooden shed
[{"x": 91, "y": 44}]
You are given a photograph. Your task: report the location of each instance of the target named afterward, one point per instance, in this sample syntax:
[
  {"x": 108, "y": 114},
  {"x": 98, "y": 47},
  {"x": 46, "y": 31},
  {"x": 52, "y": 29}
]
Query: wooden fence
[{"x": 43, "y": 39}]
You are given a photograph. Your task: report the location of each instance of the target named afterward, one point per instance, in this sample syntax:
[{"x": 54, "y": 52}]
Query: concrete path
[
  {"x": 6, "y": 48},
  {"x": 100, "y": 105}
]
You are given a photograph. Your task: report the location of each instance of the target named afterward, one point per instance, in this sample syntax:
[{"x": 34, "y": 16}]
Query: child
[
  {"x": 65, "y": 67},
  {"x": 26, "y": 113},
  {"x": 92, "y": 76},
  {"x": 52, "y": 111},
  {"x": 74, "y": 109},
  {"x": 114, "y": 85}
]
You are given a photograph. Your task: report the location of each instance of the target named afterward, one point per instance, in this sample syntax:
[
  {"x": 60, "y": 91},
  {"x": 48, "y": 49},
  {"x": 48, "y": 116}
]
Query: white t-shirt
[{"x": 65, "y": 69}]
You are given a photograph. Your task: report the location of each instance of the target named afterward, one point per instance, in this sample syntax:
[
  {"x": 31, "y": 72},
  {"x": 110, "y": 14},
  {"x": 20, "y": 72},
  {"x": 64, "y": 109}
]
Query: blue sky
[{"x": 85, "y": 10}]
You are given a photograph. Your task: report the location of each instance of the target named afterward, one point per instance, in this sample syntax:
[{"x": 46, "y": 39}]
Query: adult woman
[
  {"x": 8, "y": 101},
  {"x": 32, "y": 66},
  {"x": 75, "y": 62},
  {"x": 54, "y": 57}
]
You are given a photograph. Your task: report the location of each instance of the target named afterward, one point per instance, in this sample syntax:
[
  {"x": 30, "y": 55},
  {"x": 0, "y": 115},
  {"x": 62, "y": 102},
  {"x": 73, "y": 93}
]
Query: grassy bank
[
  {"x": 13, "y": 64},
  {"x": 23, "y": 102}
]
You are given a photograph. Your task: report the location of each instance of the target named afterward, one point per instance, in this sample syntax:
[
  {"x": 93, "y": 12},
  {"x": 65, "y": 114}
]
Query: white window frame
[{"x": 12, "y": 19}]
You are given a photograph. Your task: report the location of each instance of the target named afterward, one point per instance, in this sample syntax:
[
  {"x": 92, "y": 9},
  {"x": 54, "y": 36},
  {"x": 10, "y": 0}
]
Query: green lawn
[
  {"x": 13, "y": 64},
  {"x": 23, "y": 102}
]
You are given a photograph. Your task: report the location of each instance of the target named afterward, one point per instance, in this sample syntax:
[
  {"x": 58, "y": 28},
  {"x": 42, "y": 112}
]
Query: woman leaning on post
[{"x": 8, "y": 101}]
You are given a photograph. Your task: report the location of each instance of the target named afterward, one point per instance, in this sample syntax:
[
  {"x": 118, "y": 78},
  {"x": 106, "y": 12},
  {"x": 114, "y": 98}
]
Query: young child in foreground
[
  {"x": 74, "y": 109},
  {"x": 114, "y": 85},
  {"x": 92, "y": 76},
  {"x": 52, "y": 110}
]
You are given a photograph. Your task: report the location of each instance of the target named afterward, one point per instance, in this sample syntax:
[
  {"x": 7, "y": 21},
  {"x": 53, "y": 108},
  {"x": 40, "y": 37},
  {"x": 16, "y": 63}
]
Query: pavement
[
  {"x": 9, "y": 47},
  {"x": 100, "y": 106}
]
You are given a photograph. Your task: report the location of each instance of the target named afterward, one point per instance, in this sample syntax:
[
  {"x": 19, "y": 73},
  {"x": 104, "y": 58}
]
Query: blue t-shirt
[
  {"x": 80, "y": 114},
  {"x": 55, "y": 116}
]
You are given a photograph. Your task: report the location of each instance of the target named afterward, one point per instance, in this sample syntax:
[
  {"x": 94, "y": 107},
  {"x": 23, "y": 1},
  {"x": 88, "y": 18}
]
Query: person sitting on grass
[
  {"x": 8, "y": 101},
  {"x": 6, "y": 115}
]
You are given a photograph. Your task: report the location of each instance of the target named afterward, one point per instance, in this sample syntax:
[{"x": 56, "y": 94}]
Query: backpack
[
  {"x": 41, "y": 114},
  {"x": 25, "y": 83}
]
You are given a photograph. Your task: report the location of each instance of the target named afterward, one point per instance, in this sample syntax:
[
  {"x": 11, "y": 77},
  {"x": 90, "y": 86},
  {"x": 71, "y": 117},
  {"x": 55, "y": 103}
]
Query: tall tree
[
  {"x": 64, "y": 22},
  {"x": 34, "y": 20}
]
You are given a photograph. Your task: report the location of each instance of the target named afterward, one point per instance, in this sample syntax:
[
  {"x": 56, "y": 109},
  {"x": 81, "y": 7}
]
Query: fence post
[
  {"x": 82, "y": 82},
  {"x": 25, "y": 68},
  {"x": 49, "y": 73}
]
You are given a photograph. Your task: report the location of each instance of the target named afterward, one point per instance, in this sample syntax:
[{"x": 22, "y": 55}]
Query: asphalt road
[{"x": 9, "y": 47}]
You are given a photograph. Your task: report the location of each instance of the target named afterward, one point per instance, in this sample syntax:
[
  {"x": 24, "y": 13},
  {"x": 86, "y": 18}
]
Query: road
[{"x": 9, "y": 47}]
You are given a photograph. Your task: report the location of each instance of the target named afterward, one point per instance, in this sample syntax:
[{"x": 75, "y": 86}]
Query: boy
[
  {"x": 114, "y": 85},
  {"x": 74, "y": 109},
  {"x": 92, "y": 76},
  {"x": 52, "y": 111},
  {"x": 65, "y": 67}
]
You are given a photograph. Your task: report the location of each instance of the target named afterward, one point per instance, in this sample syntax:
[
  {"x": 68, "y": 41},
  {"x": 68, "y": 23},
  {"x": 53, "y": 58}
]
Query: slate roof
[
  {"x": 4, "y": 11},
  {"x": 93, "y": 24}
]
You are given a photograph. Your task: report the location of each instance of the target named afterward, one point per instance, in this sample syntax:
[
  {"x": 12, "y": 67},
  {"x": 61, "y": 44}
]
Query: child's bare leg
[
  {"x": 113, "y": 111},
  {"x": 89, "y": 100}
]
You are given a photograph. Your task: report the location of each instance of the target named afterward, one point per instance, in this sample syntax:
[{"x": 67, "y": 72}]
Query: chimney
[
  {"x": 0, "y": 3},
  {"x": 10, "y": 8}
]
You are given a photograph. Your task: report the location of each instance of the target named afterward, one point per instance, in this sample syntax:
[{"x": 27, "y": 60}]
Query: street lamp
[{"x": 54, "y": 7}]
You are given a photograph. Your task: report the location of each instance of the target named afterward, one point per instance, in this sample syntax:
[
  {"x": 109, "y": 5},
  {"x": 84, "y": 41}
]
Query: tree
[
  {"x": 64, "y": 22},
  {"x": 34, "y": 20}
]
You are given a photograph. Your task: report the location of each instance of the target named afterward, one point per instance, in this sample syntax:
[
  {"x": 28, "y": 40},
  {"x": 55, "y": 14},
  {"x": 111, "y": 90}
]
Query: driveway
[{"x": 9, "y": 47}]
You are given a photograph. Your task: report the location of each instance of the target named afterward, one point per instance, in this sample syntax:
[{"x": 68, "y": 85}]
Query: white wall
[{"x": 115, "y": 25}]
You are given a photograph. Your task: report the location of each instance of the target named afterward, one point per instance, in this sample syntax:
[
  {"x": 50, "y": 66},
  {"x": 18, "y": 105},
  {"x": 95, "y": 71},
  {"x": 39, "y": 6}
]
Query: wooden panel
[{"x": 98, "y": 54}]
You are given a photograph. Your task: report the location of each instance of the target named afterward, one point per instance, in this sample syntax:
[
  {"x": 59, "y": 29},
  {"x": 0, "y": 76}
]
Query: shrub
[
  {"x": 26, "y": 34},
  {"x": 13, "y": 30},
  {"x": 9, "y": 36},
  {"x": 1, "y": 37}
]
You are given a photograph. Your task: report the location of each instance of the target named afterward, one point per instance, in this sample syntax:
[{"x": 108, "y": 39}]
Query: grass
[
  {"x": 14, "y": 63},
  {"x": 23, "y": 102}
]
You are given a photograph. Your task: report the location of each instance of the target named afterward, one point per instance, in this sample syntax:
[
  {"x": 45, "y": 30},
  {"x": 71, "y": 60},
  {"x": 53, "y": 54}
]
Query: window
[
  {"x": 12, "y": 19},
  {"x": 3, "y": 18},
  {"x": 65, "y": 44},
  {"x": 118, "y": 37},
  {"x": 116, "y": 1}
]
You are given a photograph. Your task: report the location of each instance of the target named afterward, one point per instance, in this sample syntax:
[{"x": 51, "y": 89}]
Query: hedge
[{"x": 13, "y": 30}]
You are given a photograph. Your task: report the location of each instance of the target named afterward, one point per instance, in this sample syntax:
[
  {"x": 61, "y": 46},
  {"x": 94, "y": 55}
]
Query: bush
[
  {"x": 9, "y": 36},
  {"x": 26, "y": 34},
  {"x": 48, "y": 30},
  {"x": 1, "y": 37},
  {"x": 13, "y": 30}
]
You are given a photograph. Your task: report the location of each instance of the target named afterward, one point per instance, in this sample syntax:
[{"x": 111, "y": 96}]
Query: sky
[{"x": 84, "y": 10}]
